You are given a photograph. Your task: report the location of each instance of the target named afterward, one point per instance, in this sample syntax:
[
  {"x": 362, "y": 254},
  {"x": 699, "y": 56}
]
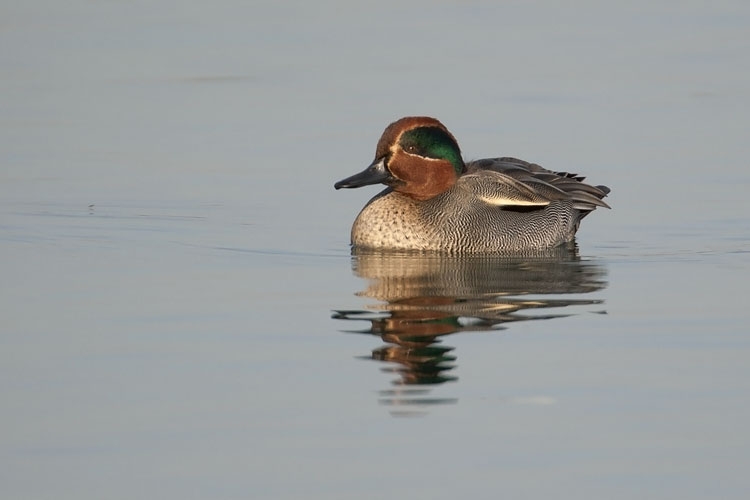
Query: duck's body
[{"x": 437, "y": 202}]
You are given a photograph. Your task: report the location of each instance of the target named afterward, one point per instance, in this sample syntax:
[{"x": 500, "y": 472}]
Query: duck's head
[{"x": 416, "y": 156}]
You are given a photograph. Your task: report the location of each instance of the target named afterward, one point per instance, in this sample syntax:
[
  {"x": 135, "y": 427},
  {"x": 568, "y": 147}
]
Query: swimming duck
[{"x": 437, "y": 202}]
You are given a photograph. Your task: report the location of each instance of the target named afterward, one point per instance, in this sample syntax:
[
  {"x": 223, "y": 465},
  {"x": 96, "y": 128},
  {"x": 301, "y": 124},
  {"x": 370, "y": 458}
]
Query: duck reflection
[{"x": 424, "y": 297}]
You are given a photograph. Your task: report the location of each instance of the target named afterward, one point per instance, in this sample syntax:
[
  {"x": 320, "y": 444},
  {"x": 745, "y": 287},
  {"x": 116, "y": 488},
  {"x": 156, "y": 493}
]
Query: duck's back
[{"x": 555, "y": 185}]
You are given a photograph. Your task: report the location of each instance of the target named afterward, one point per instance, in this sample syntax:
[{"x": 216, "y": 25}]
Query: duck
[{"x": 435, "y": 201}]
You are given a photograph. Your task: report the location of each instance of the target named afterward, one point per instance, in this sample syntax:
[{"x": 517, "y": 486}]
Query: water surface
[{"x": 182, "y": 317}]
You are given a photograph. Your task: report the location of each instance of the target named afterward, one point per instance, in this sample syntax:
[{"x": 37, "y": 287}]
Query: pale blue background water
[{"x": 172, "y": 251}]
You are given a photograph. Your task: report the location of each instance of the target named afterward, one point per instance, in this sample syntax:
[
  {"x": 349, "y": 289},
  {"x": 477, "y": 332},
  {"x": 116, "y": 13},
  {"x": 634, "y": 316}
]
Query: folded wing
[{"x": 513, "y": 183}]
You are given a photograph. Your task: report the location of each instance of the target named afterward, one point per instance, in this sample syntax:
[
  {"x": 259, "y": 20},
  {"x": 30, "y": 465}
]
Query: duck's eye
[{"x": 412, "y": 149}]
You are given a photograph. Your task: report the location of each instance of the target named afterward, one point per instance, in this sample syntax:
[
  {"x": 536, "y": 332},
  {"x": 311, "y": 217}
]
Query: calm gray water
[{"x": 181, "y": 315}]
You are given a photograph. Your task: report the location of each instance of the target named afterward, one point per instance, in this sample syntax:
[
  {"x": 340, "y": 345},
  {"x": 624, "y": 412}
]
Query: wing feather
[{"x": 510, "y": 182}]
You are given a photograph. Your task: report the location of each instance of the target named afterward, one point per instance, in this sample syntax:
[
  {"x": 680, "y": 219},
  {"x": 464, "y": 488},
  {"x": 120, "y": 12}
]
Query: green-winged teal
[{"x": 435, "y": 201}]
